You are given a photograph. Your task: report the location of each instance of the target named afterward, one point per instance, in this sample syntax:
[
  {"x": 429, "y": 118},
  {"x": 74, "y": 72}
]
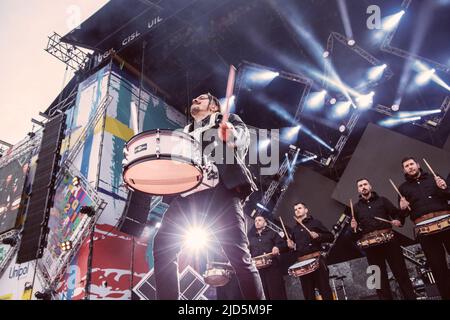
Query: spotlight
[
  {"x": 375, "y": 73},
  {"x": 365, "y": 101},
  {"x": 158, "y": 225},
  {"x": 259, "y": 205},
  {"x": 290, "y": 134},
  {"x": 341, "y": 109},
  {"x": 342, "y": 128},
  {"x": 196, "y": 238},
  {"x": 351, "y": 42},
  {"x": 66, "y": 245},
  {"x": 389, "y": 23},
  {"x": 88, "y": 210},
  {"x": 316, "y": 100},
  {"x": 263, "y": 76},
  {"x": 397, "y": 121},
  {"x": 424, "y": 77},
  {"x": 395, "y": 107},
  {"x": 333, "y": 100},
  {"x": 326, "y": 54},
  {"x": 408, "y": 114}
]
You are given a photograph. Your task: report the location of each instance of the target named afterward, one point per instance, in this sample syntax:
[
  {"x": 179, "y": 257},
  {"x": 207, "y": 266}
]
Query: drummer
[
  {"x": 426, "y": 197},
  {"x": 219, "y": 210},
  {"x": 368, "y": 210},
  {"x": 266, "y": 241},
  {"x": 307, "y": 245}
]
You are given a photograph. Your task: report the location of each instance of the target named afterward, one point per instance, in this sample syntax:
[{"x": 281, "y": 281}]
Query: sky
[{"x": 31, "y": 78}]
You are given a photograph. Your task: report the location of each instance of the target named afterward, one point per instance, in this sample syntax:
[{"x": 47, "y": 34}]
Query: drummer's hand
[
  {"x": 354, "y": 224},
  {"x": 291, "y": 244},
  {"x": 226, "y": 131},
  {"x": 404, "y": 204},
  {"x": 396, "y": 223},
  {"x": 314, "y": 235},
  {"x": 441, "y": 184},
  {"x": 275, "y": 251}
]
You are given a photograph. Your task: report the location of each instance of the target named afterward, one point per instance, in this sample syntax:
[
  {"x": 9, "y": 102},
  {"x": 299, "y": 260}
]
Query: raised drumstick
[
  {"x": 299, "y": 221},
  {"x": 398, "y": 191},
  {"x": 353, "y": 213},
  {"x": 284, "y": 229},
  {"x": 429, "y": 168},
  {"x": 229, "y": 93}
]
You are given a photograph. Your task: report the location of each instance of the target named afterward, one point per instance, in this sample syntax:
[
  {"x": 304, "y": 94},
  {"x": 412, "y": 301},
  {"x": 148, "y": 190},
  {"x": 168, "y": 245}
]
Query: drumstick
[
  {"x": 353, "y": 213},
  {"x": 229, "y": 93},
  {"x": 309, "y": 231},
  {"x": 384, "y": 220},
  {"x": 398, "y": 191},
  {"x": 263, "y": 255},
  {"x": 284, "y": 228},
  {"x": 429, "y": 168}
]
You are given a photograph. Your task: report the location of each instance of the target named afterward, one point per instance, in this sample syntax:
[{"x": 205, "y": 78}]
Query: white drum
[
  {"x": 163, "y": 162},
  {"x": 433, "y": 225},
  {"x": 304, "y": 267}
]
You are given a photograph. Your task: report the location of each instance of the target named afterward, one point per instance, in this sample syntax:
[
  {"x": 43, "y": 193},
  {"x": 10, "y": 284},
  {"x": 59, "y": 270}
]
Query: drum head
[
  {"x": 168, "y": 176},
  {"x": 432, "y": 220},
  {"x": 302, "y": 263}
]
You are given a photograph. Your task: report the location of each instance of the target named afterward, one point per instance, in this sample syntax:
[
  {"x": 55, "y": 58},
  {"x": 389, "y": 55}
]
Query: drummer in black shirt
[
  {"x": 368, "y": 210},
  {"x": 426, "y": 197},
  {"x": 307, "y": 237},
  {"x": 266, "y": 241}
]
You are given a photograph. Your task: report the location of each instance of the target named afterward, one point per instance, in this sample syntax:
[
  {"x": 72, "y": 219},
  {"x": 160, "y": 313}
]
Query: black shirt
[
  {"x": 234, "y": 173},
  {"x": 264, "y": 242},
  {"x": 424, "y": 196},
  {"x": 375, "y": 206},
  {"x": 305, "y": 244}
]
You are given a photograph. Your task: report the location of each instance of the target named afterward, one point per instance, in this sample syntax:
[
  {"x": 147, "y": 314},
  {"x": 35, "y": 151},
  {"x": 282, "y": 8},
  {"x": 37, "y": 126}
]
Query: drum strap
[
  {"x": 375, "y": 233},
  {"x": 431, "y": 215},
  {"x": 309, "y": 256}
]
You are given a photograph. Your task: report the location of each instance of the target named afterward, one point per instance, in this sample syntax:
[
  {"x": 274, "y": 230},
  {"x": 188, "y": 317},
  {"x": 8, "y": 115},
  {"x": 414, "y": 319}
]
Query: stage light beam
[
  {"x": 196, "y": 238},
  {"x": 376, "y": 72},
  {"x": 365, "y": 101},
  {"x": 389, "y": 23},
  {"x": 316, "y": 100}
]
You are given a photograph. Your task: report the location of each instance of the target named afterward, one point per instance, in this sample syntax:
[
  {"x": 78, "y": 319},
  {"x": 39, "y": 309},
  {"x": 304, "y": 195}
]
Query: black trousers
[
  {"x": 273, "y": 283},
  {"x": 318, "y": 279},
  {"x": 219, "y": 211},
  {"x": 392, "y": 253},
  {"x": 435, "y": 246}
]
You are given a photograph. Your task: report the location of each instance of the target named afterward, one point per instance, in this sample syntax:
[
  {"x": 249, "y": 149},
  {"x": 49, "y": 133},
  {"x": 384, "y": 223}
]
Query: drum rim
[
  {"x": 162, "y": 156},
  {"x": 153, "y": 131}
]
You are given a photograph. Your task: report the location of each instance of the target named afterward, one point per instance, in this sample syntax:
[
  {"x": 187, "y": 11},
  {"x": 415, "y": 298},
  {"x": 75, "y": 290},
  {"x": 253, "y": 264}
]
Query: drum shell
[
  {"x": 217, "y": 277},
  {"x": 305, "y": 267},
  {"x": 432, "y": 226},
  {"x": 163, "y": 162}
]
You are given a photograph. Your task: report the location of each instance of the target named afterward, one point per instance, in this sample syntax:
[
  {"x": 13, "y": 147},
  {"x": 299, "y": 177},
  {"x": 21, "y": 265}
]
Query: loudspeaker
[
  {"x": 34, "y": 232},
  {"x": 135, "y": 214}
]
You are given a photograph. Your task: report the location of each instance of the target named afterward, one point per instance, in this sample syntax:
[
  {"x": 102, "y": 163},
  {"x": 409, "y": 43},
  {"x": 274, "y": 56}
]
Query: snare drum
[
  {"x": 375, "y": 238},
  {"x": 433, "y": 225},
  {"x": 217, "y": 275},
  {"x": 304, "y": 267},
  {"x": 262, "y": 262},
  {"x": 163, "y": 162}
]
